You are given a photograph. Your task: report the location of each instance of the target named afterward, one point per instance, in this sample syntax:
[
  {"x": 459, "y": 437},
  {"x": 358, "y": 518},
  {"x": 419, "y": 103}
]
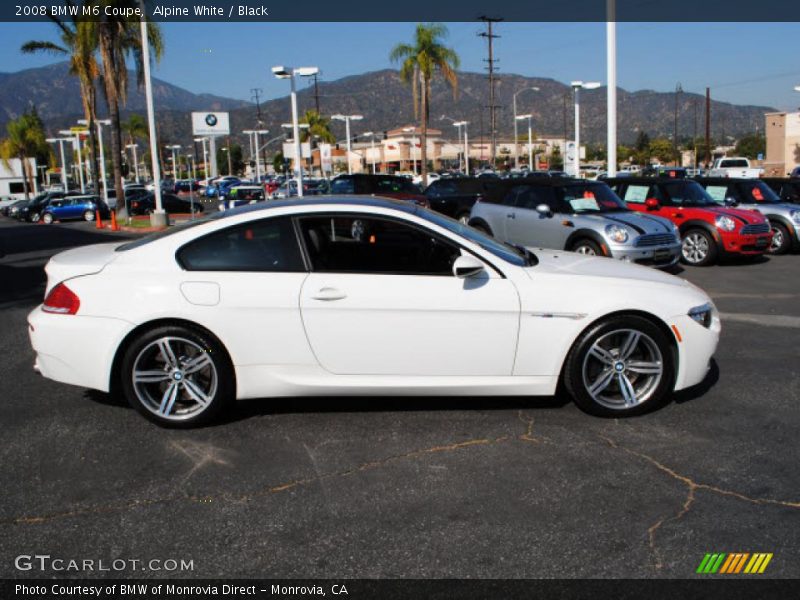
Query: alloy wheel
[
  {"x": 588, "y": 250},
  {"x": 622, "y": 369},
  {"x": 174, "y": 378},
  {"x": 88, "y": 215},
  {"x": 695, "y": 248},
  {"x": 777, "y": 239}
]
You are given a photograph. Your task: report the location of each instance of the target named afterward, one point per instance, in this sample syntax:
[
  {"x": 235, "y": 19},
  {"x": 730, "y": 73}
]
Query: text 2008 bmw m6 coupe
[{"x": 344, "y": 296}]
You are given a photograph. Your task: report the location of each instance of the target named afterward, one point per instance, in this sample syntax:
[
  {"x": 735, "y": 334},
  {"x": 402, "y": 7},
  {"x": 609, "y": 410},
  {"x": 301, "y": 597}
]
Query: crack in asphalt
[
  {"x": 692, "y": 487},
  {"x": 528, "y": 435}
]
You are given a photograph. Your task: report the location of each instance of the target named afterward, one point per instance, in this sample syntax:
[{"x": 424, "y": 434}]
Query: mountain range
[{"x": 385, "y": 102}]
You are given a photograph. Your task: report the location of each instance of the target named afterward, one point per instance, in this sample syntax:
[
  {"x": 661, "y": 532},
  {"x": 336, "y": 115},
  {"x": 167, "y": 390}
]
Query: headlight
[
  {"x": 617, "y": 233},
  {"x": 703, "y": 314},
  {"x": 795, "y": 215},
  {"x": 725, "y": 223}
]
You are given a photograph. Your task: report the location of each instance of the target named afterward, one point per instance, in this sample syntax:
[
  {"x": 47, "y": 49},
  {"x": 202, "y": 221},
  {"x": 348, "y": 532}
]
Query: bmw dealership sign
[{"x": 210, "y": 123}]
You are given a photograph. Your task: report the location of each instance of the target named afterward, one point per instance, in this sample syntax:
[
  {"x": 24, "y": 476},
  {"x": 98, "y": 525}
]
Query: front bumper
[
  {"x": 652, "y": 256},
  {"x": 696, "y": 347},
  {"x": 75, "y": 349},
  {"x": 734, "y": 243}
]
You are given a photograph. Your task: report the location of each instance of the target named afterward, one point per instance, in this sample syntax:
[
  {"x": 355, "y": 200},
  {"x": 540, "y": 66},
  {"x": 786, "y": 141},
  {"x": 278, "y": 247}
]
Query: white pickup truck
[{"x": 734, "y": 166}]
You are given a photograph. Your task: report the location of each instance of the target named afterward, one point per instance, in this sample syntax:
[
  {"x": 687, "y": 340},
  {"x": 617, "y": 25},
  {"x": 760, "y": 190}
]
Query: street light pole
[
  {"x": 205, "y": 156},
  {"x": 63, "y": 159},
  {"x": 135, "y": 160},
  {"x": 76, "y": 145},
  {"x": 611, "y": 90},
  {"x": 466, "y": 145},
  {"x": 100, "y": 123},
  {"x": 576, "y": 87},
  {"x": 371, "y": 135},
  {"x": 530, "y": 138},
  {"x": 347, "y": 119},
  {"x": 516, "y": 148},
  {"x": 159, "y": 217}
]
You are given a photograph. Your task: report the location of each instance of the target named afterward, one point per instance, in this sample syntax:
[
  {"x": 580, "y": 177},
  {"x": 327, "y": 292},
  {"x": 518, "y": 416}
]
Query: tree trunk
[
  {"x": 116, "y": 156},
  {"x": 424, "y": 136},
  {"x": 26, "y": 184},
  {"x": 89, "y": 111}
]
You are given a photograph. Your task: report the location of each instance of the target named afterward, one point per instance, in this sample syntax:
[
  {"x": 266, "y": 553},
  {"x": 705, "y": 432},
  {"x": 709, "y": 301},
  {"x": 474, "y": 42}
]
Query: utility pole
[
  {"x": 490, "y": 37},
  {"x": 316, "y": 92},
  {"x": 255, "y": 97},
  {"x": 678, "y": 90},
  {"x": 566, "y": 132},
  {"x": 708, "y": 127},
  {"x": 694, "y": 137}
]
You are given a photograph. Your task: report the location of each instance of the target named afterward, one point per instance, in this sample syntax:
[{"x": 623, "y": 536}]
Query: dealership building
[{"x": 783, "y": 143}]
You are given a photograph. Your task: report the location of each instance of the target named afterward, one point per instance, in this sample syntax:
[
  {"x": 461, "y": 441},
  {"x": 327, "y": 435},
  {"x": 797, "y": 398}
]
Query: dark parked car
[
  {"x": 146, "y": 204},
  {"x": 388, "y": 186},
  {"x": 32, "y": 211},
  {"x": 12, "y": 209},
  {"x": 787, "y": 188},
  {"x": 455, "y": 197},
  {"x": 74, "y": 208}
]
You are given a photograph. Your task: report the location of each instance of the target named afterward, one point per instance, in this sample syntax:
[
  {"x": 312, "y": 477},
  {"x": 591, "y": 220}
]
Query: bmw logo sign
[{"x": 211, "y": 120}]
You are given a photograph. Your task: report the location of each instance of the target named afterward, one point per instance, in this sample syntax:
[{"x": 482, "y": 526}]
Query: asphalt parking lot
[{"x": 419, "y": 487}]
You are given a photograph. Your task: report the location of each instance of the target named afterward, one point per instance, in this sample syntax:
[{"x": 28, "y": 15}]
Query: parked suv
[
  {"x": 455, "y": 196},
  {"x": 753, "y": 194},
  {"x": 74, "y": 207},
  {"x": 388, "y": 186},
  {"x": 569, "y": 214},
  {"x": 708, "y": 230}
]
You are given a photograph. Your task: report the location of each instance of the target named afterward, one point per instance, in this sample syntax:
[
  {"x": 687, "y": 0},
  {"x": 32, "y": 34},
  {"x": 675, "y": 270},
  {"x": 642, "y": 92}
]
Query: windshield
[
  {"x": 516, "y": 255},
  {"x": 592, "y": 198},
  {"x": 734, "y": 163},
  {"x": 688, "y": 193}
]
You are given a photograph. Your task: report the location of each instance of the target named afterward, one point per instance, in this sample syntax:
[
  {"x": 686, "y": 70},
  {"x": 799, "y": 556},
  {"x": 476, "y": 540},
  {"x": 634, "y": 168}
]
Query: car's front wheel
[
  {"x": 698, "y": 248},
  {"x": 781, "y": 239},
  {"x": 177, "y": 376},
  {"x": 47, "y": 218},
  {"x": 621, "y": 366}
]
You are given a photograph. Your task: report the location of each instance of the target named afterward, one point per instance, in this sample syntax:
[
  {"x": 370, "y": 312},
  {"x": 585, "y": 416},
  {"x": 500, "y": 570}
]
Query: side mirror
[
  {"x": 466, "y": 266},
  {"x": 730, "y": 201},
  {"x": 652, "y": 204},
  {"x": 544, "y": 210}
]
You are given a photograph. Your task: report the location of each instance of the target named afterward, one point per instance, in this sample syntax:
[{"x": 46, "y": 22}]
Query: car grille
[
  {"x": 755, "y": 229},
  {"x": 655, "y": 239}
]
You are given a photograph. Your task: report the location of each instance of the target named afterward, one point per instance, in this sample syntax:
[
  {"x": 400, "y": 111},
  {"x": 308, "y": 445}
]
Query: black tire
[
  {"x": 34, "y": 218},
  {"x": 781, "y": 239},
  {"x": 47, "y": 218},
  {"x": 582, "y": 370},
  {"x": 89, "y": 215},
  {"x": 698, "y": 248},
  {"x": 215, "y": 381},
  {"x": 588, "y": 247}
]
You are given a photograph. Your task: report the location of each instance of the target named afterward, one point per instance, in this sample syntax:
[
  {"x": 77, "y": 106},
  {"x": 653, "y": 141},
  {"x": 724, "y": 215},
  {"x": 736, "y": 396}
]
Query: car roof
[
  {"x": 648, "y": 180},
  {"x": 370, "y": 176},
  {"x": 725, "y": 179},
  {"x": 547, "y": 181},
  {"x": 332, "y": 201}
]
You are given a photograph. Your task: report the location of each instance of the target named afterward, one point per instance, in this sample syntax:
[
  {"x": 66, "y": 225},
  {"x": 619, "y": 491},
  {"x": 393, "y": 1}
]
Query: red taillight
[{"x": 61, "y": 300}]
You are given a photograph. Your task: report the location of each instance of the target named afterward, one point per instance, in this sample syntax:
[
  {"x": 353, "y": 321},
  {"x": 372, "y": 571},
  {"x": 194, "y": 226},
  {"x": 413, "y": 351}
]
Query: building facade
[{"x": 783, "y": 143}]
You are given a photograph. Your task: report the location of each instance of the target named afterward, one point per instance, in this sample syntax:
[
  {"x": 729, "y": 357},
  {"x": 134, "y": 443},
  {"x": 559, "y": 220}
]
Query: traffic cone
[
  {"x": 114, "y": 225},
  {"x": 98, "y": 220}
]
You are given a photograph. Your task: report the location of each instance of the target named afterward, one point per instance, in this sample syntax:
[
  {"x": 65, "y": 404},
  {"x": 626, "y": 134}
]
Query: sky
[{"x": 743, "y": 63}]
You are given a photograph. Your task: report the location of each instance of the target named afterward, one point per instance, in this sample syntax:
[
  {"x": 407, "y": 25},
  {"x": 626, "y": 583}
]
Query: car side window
[
  {"x": 717, "y": 192},
  {"x": 343, "y": 185},
  {"x": 369, "y": 245},
  {"x": 268, "y": 245},
  {"x": 510, "y": 197},
  {"x": 636, "y": 194}
]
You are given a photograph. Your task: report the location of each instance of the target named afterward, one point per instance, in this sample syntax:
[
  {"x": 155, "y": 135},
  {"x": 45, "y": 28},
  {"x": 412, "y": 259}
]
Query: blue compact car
[{"x": 74, "y": 207}]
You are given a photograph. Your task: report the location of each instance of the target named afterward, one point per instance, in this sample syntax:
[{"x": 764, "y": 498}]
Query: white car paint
[{"x": 505, "y": 332}]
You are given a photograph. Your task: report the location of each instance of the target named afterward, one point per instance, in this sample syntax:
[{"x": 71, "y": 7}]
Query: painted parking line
[{"x": 766, "y": 320}]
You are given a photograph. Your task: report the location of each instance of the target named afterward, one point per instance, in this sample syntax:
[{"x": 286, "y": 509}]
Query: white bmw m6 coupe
[{"x": 355, "y": 296}]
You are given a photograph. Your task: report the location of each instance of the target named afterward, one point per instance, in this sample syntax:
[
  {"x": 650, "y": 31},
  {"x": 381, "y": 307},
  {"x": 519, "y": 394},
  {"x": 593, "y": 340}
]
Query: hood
[
  {"x": 641, "y": 223},
  {"x": 556, "y": 262},
  {"x": 748, "y": 217},
  {"x": 85, "y": 260}
]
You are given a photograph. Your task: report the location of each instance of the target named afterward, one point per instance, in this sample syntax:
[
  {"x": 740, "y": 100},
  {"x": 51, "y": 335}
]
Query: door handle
[
  {"x": 328, "y": 293},
  {"x": 677, "y": 215},
  {"x": 511, "y": 216}
]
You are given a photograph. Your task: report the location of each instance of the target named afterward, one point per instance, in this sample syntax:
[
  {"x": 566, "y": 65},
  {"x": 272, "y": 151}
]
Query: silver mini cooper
[{"x": 580, "y": 216}]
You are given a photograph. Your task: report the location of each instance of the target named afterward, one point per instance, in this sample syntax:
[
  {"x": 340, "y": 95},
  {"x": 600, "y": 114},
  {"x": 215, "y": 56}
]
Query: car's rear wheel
[
  {"x": 177, "y": 376},
  {"x": 35, "y": 217},
  {"x": 781, "y": 239},
  {"x": 588, "y": 247},
  {"x": 482, "y": 228},
  {"x": 47, "y": 218},
  {"x": 88, "y": 215},
  {"x": 621, "y": 366},
  {"x": 698, "y": 248}
]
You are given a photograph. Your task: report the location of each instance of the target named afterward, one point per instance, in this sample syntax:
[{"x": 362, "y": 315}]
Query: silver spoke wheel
[
  {"x": 695, "y": 248},
  {"x": 174, "y": 378},
  {"x": 622, "y": 369},
  {"x": 586, "y": 250},
  {"x": 777, "y": 239}
]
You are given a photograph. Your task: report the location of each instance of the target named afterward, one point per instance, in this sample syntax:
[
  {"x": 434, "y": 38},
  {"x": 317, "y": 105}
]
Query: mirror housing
[
  {"x": 730, "y": 201},
  {"x": 652, "y": 204},
  {"x": 544, "y": 210},
  {"x": 466, "y": 266}
]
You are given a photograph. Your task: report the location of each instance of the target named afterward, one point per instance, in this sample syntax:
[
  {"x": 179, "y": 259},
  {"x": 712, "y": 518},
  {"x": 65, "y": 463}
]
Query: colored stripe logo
[{"x": 734, "y": 563}]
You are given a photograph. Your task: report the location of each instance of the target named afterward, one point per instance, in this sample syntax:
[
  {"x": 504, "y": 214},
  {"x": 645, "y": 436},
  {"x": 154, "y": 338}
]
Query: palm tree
[
  {"x": 420, "y": 62},
  {"x": 136, "y": 128},
  {"x": 78, "y": 44},
  {"x": 25, "y": 140},
  {"x": 119, "y": 39},
  {"x": 319, "y": 127}
]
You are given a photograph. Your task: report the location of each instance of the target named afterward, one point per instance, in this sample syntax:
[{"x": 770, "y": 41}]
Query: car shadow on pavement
[
  {"x": 745, "y": 261},
  {"x": 22, "y": 284}
]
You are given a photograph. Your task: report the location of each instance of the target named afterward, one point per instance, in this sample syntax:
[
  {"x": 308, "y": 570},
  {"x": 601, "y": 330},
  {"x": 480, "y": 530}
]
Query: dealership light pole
[
  {"x": 611, "y": 89},
  {"x": 61, "y": 141},
  {"x": 372, "y": 135},
  {"x": 205, "y": 156},
  {"x": 257, "y": 133},
  {"x": 466, "y": 144},
  {"x": 516, "y": 146},
  {"x": 76, "y": 144},
  {"x": 530, "y": 137},
  {"x": 577, "y": 86},
  {"x": 100, "y": 123},
  {"x": 174, "y": 148},
  {"x": 282, "y": 72},
  {"x": 158, "y": 218},
  {"x": 134, "y": 147},
  {"x": 347, "y": 119}
]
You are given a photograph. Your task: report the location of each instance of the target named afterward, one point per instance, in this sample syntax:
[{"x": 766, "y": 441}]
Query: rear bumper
[{"x": 74, "y": 349}]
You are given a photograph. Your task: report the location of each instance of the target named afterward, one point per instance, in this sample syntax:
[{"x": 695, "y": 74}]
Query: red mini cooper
[{"x": 708, "y": 231}]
